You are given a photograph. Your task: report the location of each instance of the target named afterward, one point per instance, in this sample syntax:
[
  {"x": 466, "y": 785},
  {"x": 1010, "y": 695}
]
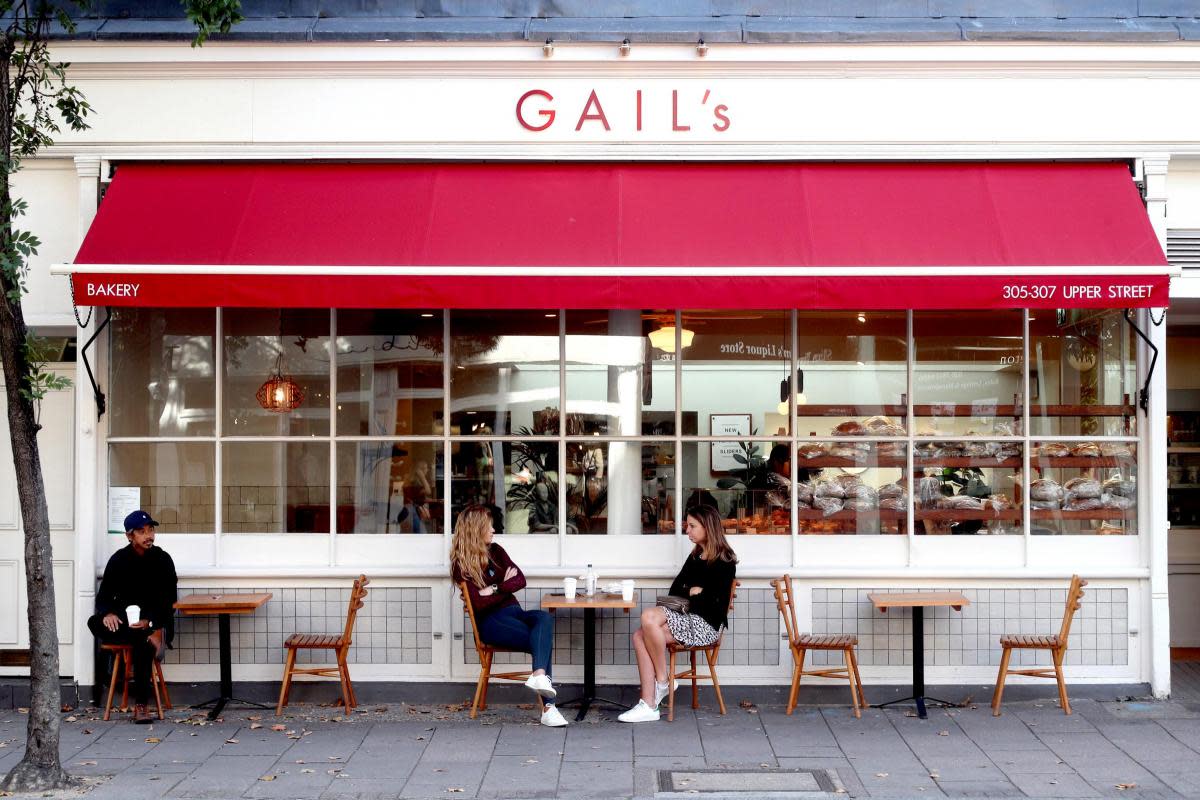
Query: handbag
[{"x": 672, "y": 602}]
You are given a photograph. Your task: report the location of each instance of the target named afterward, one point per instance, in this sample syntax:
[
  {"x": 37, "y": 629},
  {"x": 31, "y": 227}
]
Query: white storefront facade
[{"x": 298, "y": 504}]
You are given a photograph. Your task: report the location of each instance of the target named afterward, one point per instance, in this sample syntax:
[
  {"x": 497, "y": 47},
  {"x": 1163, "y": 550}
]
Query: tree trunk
[{"x": 41, "y": 768}]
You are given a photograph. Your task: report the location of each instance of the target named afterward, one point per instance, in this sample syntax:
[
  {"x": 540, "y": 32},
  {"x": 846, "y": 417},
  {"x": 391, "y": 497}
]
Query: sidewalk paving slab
[
  {"x": 432, "y": 778},
  {"x": 587, "y": 780},
  {"x": 521, "y": 776},
  {"x": 1054, "y": 785}
]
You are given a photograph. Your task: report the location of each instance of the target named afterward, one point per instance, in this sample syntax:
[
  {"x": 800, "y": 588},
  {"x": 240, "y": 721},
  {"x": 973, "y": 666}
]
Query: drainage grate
[{"x": 760, "y": 783}]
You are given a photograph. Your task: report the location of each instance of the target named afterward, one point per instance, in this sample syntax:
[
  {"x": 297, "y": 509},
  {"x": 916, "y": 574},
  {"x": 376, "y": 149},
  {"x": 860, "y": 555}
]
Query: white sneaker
[
  {"x": 552, "y": 718},
  {"x": 661, "y": 691},
  {"x": 542, "y": 685},
  {"x": 640, "y": 713}
]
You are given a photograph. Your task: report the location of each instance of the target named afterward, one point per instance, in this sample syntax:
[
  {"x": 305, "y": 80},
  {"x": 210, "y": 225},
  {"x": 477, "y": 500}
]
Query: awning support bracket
[
  {"x": 101, "y": 402},
  {"x": 1144, "y": 392}
]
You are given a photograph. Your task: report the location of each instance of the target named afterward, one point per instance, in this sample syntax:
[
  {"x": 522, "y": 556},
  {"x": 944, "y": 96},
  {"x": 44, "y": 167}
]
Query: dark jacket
[
  {"x": 147, "y": 581},
  {"x": 498, "y": 564},
  {"x": 715, "y": 578}
]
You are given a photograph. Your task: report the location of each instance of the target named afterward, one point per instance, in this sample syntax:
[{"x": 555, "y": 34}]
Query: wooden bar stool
[
  {"x": 711, "y": 652},
  {"x": 123, "y": 667},
  {"x": 801, "y": 643}
]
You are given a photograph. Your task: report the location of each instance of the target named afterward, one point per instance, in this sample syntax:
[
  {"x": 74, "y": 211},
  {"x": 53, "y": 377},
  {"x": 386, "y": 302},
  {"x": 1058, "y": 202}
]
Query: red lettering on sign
[
  {"x": 639, "y": 109},
  {"x": 675, "y": 126},
  {"x": 546, "y": 113},
  {"x": 593, "y": 100},
  {"x": 719, "y": 113}
]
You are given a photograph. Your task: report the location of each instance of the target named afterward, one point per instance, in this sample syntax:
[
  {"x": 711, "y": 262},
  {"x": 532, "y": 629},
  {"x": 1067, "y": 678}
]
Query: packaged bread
[
  {"x": 1083, "y": 504},
  {"x": 891, "y": 449},
  {"x": 1005, "y": 450},
  {"x": 848, "y": 481},
  {"x": 1045, "y": 505},
  {"x": 829, "y": 489},
  {"x": 1003, "y": 429},
  {"x": 1126, "y": 487},
  {"x": 890, "y": 490},
  {"x": 1046, "y": 489},
  {"x": 860, "y": 504},
  {"x": 961, "y": 502},
  {"x": 804, "y": 492},
  {"x": 893, "y": 503},
  {"x": 998, "y": 502},
  {"x": 828, "y": 505},
  {"x": 850, "y": 452},
  {"x": 1116, "y": 450},
  {"x": 1082, "y": 488},
  {"x": 1053, "y": 450},
  {"x": 977, "y": 449},
  {"x": 883, "y": 426},
  {"x": 929, "y": 492},
  {"x": 1085, "y": 450},
  {"x": 863, "y": 492},
  {"x": 812, "y": 450},
  {"x": 850, "y": 428},
  {"x": 1117, "y": 501}
]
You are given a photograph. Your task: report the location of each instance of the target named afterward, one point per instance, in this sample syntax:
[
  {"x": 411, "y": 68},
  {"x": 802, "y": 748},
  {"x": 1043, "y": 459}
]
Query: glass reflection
[
  {"x": 518, "y": 480},
  {"x": 176, "y": 482},
  {"x": 614, "y": 382},
  {"x": 1084, "y": 487},
  {"x": 278, "y": 487},
  {"x": 744, "y": 481},
  {"x": 967, "y": 378},
  {"x": 162, "y": 373},
  {"x": 256, "y": 342},
  {"x": 392, "y": 487},
  {"x": 970, "y": 487},
  {"x": 1083, "y": 378},
  {"x": 620, "y": 487},
  {"x": 389, "y": 379}
]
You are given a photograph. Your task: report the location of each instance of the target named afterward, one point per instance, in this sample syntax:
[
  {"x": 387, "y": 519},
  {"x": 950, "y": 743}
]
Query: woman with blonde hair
[
  {"x": 492, "y": 581},
  {"x": 706, "y": 581}
]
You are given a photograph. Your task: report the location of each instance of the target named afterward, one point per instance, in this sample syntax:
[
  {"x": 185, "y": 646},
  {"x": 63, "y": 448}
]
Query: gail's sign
[{"x": 678, "y": 111}]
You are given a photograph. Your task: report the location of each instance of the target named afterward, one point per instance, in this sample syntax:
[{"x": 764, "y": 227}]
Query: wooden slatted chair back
[
  {"x": 357, "y": 595},
  {"x": 786, "y": 605},
  {"x": 1074, "y": 598},
  {"x": 466, "y": 598}
]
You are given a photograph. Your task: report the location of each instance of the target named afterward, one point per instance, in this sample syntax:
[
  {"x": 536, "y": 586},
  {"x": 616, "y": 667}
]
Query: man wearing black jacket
[{"x": 141, "y": 575}]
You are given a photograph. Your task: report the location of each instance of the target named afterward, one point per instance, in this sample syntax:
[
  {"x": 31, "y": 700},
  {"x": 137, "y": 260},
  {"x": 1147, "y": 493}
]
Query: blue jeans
[{"x": 528, "y": 631}]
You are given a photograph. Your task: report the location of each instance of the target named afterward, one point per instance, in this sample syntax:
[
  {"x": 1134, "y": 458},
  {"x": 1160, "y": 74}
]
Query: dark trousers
[
  {"x": 144, "y": 652},
  {"x": 529, "y": 631}
]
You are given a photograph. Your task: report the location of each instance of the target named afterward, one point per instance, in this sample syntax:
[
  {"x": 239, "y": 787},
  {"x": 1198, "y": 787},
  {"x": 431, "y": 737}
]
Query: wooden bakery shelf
[
  {"x": 1082, "y": 461},
  {"x": 958, "y": 462},
  {"x": 964, "y": 514},
  {"x": 1100, "y": 513},
  {"x": 830, "y": 461},
  {"x": 965, "y": 410},
  {"x": 846, "y": 514}
]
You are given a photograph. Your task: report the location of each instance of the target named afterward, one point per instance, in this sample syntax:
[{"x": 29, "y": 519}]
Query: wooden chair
[
  {"x": 710, "y": 654},
  {"x": 801, "y": 643},
  {"x": 339, "y": 643},
  {"x": 122, "y": 669},
  {"x": 486, "y": 652},
  {"x": 1056, "y": 644}
]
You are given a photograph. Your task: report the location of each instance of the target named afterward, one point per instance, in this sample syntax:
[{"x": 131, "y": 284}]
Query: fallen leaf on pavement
[
  {"x": 267, "y": 778},
  {"x": 531, "y": 761},
  {"x": 254, "y": 717},
  {"x": 307, "y": 771},
  {"x": 152, "y": 740},
  {"x": 881, "y": 774},
  {"x": 231, "y": 741},
  {"x": 67, "y": 708},
  {"x": 86, "y": 763},
  {"x": 87, "y": 731},
  {"x": 943, "y": 733},
  {"x": 1124, "y": 786},
  {"x": 279, "y": 727},
  {"x": 70, "y": 719},
  {"x": 456, "y": 789},
  {"x": 746, "y": 704},
  {"x": 333, "y": 771}
]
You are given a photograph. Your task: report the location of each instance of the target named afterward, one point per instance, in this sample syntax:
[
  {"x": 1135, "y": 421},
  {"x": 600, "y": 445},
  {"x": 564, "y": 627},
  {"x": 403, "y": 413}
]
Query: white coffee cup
[
  {"x": 627, "y": 591},
  {"x": 133, "y": 614},
  {"x": 570, "y": 586}
]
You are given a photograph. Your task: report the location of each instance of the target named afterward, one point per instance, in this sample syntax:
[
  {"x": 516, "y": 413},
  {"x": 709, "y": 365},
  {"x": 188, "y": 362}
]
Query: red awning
[{"x": 712, "y": 235}]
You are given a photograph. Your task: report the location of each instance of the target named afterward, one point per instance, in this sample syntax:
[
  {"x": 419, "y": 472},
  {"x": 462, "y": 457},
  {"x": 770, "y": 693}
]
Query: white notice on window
[{"x": 122, "y": 501}]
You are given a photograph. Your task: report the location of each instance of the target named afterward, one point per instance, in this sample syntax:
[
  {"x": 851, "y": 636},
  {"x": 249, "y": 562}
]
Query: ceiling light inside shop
[
  {"x": 664, "y": 338},
  {"x": 862, "y": 318}
]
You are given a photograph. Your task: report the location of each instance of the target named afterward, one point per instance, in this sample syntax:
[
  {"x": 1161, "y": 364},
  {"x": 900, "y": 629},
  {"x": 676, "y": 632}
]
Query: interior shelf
[
  {"x": 965, "y": 410},
  {"x": 958, "y": 462}
]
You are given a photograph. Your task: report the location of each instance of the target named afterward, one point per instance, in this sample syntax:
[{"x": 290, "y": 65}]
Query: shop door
[{"x": 56, "y": 443}]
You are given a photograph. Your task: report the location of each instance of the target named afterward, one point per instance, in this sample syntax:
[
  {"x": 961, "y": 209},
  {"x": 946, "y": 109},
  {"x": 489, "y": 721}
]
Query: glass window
[
  {"x": 968, "y": 487},
  {"x": 735, "y": 365},
  {"x": 389, "y": 377},
  {"x": 278, "y": 487},
  {"x": 615, "y": 385},
  {"x": 853, "y": 373},
  {"x": 519, "y": 480},
  {"x": 175, "y": 479},
  {"x": 852, "y": 487},
  {"x": 162, "y": 376},
  {"x": 747, "y": 482},
  {"x": 1083, "y": 487},
  {"x": 620, "y": 487},
  {"x": 967, "y": 378},
  {"x": 1083, "y": 378},
  {"x": 390, "y": 487},
  {"x": 258, "y": 344},
  {"x": 504, "y": 373}
]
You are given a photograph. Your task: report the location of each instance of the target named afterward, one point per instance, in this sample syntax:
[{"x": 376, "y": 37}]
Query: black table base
[
  {"x": 588, "y": 698},
  {"x": 918, "y": 684},
  {"x": 219, "y": 702}
]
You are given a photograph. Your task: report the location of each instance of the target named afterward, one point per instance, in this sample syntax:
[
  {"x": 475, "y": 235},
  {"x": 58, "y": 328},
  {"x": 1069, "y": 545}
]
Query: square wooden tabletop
[
  {"x": 221, "y": 603},
  {"x": 885, "y": 600},
  {"x": 598, "y": 600}
]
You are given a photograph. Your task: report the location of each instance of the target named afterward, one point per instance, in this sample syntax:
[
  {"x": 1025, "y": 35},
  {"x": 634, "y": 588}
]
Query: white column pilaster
[{"x": 89, "y": 505}]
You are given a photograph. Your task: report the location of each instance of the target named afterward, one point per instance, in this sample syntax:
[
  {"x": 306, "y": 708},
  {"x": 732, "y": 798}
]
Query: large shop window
[{"x": 615, "y": 421}]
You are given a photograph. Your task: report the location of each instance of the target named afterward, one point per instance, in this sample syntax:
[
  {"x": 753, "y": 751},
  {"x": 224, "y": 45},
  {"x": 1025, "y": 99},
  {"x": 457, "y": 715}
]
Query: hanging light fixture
[
  {"x": 785, "y": 393},
  {"x": 664, "y": 337},
  {"x": 279, "y": 393}
]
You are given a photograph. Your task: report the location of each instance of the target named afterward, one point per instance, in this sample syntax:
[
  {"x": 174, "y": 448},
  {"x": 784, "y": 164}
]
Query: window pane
[
  {"x": 162, "y": 372},
  {"x": 853, "y": 487},
  {"x": 620, "y": 487},
  {"x": 1083, "y": 378},
  {"x": 255, "y": 340},
  {"x": 504, "y": 372},
  {"x": 278, "y": 487},
  {"x": 614, "y": 383},
  {"x": 176, "y": 482},
  {"x": 389, "y": 372},
  {"x": 735, "y": 366},
  {"x": 968, "y": 487},
  {"x": 1084, "y": 487},
  {"x": 853, "y": 369},
  {"x": 968, "y": 376},
  {"x": 522, "y": 486},
  {"x": 389, "y": 487},
  {"x": 740, "y": 479}
]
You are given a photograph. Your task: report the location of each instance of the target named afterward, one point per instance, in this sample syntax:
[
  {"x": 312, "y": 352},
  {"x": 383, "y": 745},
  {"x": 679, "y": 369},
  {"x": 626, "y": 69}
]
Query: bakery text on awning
[{"x": 600, "y": 235}]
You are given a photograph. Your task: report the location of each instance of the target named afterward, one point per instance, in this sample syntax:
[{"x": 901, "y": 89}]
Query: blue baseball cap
[{"x": 138, "y": 519}]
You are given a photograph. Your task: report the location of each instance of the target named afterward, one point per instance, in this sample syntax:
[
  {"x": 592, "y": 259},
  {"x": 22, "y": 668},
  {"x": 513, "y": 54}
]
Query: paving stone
[
  {"x": 461, "y": 743},
  {"x": 97, "y": 766},
  {"x": 1053, "y": 720},
  {"x": 1006, "y": 732},
  {"x": 223, "y": 776},
  {"x": 1083, "y": 746},
  {"x": 521, "y": 776},
  {"x": 984, "y": 788},
  {"x": 530, "y": 740},
  {"x": 362, "y": 789},
  {"x": 291, "y": 780},
  {"x": 128, "y": 741},
  {"x": 435, "y": 778},
  {"x": 581, "y": 779},
  {"x": 678, "y": 738},
  {"x": 192, "y": 744},
  {"x": 841, "y": 766},
  {"x": 645, "y": 771},
  {"x": 1186, "y": 783},
  {"x": 322, "y": 744},
  {"x": 262, "y": 742},
  {"x": 1055, "y": 785},
  {"x": 1147, "y": 787},
  {"x": 804, "y": 732},
  {"x": 600, "y": 742},
  {"x": 1040, "y": 762},
  {"x": 1186, "y": 731},
  {"x": 375, "y": 765}
]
